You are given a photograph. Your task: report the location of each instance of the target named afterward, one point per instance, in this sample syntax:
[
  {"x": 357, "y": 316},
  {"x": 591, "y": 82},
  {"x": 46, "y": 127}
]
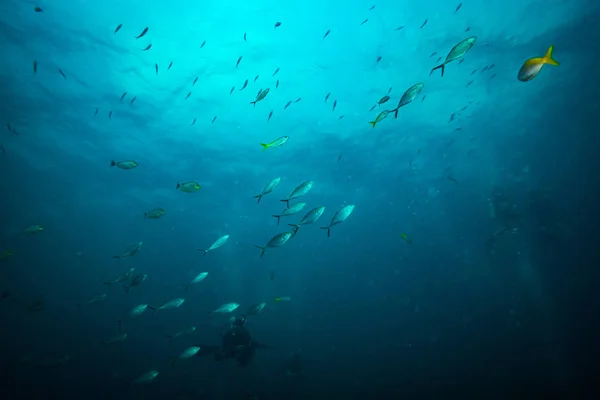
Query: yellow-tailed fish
[
  {"x": 275, "y": 143},
  {"x": 284, "y": 298},
  {"x": 128, "y": 164},
  {"x": 406, "y": 238},
  {"x": 533, "y": 66},
  {"x": 261, "y": 95},
  {"x": 276, "y": 241},
  {"x": 379, "y": 118},
  {"x": 340, "y": 216},
  {"x": 217, "y": 243},
  {"x": 268, "y": 189}
]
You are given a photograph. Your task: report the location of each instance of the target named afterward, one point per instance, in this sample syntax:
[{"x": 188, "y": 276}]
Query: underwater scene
[{"x": 291, "y": 200}]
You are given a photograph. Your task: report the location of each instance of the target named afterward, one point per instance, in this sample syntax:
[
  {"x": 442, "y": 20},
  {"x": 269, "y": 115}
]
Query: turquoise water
[{"x": 443, "y": 268}]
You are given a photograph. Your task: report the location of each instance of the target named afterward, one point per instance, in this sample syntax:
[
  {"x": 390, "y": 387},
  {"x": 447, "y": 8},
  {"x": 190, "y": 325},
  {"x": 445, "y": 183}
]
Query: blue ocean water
[{"x": 466, "y": 269}]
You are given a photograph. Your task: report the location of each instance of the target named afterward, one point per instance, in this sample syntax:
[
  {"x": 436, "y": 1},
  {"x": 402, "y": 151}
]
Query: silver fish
[
  {"x": 128, "y": 164},
  {"x": 225, "y": 308},
  {"x": 409, "y": 96},
  {"x": 268, "y": 189},
  {"x": 310, "y": 217},
  {"x": 198, "y": 278},
  {"x": 217, "y": 243},
  {"x": 175, "y": 303},
  {"x": 276, "y": 241},
  {"x": 457, "y": 52},
  {"x": 301, "y": 190},
  {"x": 294, "y": 209},
  {"x": 131, "y": 251},
  {"x": 146, "y": 377},
  {"x": 339, "y": 217}
]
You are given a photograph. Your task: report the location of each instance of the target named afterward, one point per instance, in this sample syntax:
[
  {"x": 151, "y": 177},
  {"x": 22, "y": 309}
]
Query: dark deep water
[{"x": 495, "y": 297}]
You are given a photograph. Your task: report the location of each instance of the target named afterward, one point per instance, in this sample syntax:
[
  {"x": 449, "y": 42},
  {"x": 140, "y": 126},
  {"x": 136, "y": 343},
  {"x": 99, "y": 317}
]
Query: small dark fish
[
  {"x": 433, "y": 54},
  {"x": 147, "y": 47},
  {"x": 195, "y": 80},
  {"x": 439, "y": 59},
  {"x": 256, "y": 78},
  {"x": 472, "y": 72},
  {"x": 214, "y": 119},
  {"x": 244, "y": 86},
  {"x": 270, "y": 115},
  {"x": 133, "y": 100},
  {"x": 188, "y": 95},
  {"x": 37, "y": 9},
  {"x": 457, "y": 129},
  {"x": 384, "y": 99},
  {"x": 34, "y": 66},
  {"x": 287, "y": 105},
  {"x": 334, "y": 105},
  {"x": 452, "y": 117},
  {"x": 464, "y": 108},
  {"x": 109, "y": 114},
  {"x": 399, "y": 28},
  {"x": 277, "y": 24},
  {"x": 364, "y": 22},
  {"x": 492, "y": 66},
  {"x": 232, "y": 89},
  {"x": 458, "y": 7},
  {"x": 96, "y": 113},
  {"x": 245, "y": 37},
  {"x": 277, "y": 84},
  {"x": 203, "y": 43},
  {"x": 193, "y": 122},
  {"x": 423, "y": 99},
  {"x": 272, "y": 274},
  {"x": 118, "y": 28},
  {"x": 372, "y": 7},
  {"x": 339, "y": 157},
  {"x": 62, "y": 73},
  {"x": 461, "y": 60},
  {"x": 327, "y": 96},
  {"x": 170, "y": 65},
  {"x": 484, "y": 69},
  {"x": 143, "y": 33},
  {"x": 390, "y": 91},
  {"x": 156, "y": 68},
  {"x": 340, "y": 117},
  {"x": 452, "y": 179},
  {"x": 238, "y": 62},
  {"x": 378, "y": 59},
  {"x": 424, "y": 23},
  {"x": 326, "y": 33},
  {"x": 372, "y": 108},
  {"x": 492, "y": 77},
  {"x": 276, "y": 71},
  {"x": 298, "y": 99},
  {"x": 123, "y": 96},
  {"x": 4, "y": 151}
]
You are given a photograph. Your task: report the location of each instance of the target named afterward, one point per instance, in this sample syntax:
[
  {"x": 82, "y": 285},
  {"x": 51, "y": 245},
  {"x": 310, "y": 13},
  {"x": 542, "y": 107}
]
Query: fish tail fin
[
  {"x": 328, "y": 230},
  {"x": 126, "y": 288},
  {"x": 294, "y": 228},
  {"x": 186, "y": 287},
  {"x": 153, "y": 310},
  {"x": 373, "y": 123},
  {"x": 178, "y": 186},
  {"x": 262, "y": 250},
  {"x": 548, "y": 57},
  {"x": 253, "y": 102},
  {"x": 119, "y": 257},
  {"x": 204, "y": 252},
  {"x": 287, "y": 202},
  {"x": 170, "y": 338},
  {"x": 442, "y": 66},
  {"x": 396, "y": 112},
  {"x": 113, "y": 163},
  {"x": 258, "y": 197},
  {"x": 145, "y": 215},
  {"x": 278, "y": 218},
  {"x": 264, "y": 146}
]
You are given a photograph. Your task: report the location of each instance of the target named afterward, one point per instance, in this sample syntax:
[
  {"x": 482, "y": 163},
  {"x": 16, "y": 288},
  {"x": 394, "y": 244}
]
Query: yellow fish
[
  {"x": 286, "y": 298},
  {"x": 406, "y": 238},
  {"x": 379, "y": 118},
  {"x": 532, "y": 67}
]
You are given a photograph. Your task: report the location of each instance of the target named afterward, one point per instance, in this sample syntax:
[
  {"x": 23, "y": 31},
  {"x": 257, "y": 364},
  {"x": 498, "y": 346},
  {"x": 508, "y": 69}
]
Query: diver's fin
[{"x": 260, "y": 345}]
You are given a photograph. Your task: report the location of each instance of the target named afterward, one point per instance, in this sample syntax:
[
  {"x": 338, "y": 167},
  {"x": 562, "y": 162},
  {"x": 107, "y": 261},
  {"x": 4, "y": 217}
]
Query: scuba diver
[{"x": 235, "y": 343}]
